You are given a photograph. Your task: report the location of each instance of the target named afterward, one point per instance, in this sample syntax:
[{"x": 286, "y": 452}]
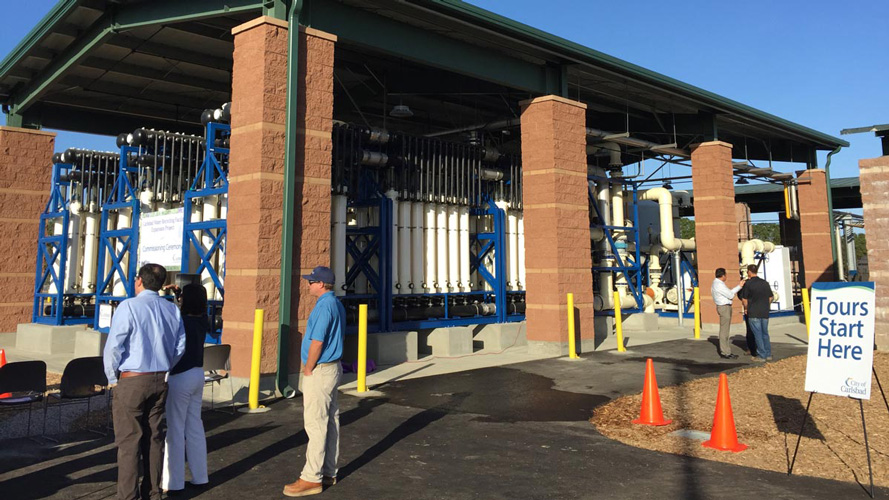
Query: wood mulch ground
[{"x": 768, "y": 403}]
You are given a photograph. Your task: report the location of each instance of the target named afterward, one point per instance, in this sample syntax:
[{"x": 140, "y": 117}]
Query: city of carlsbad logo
[{"x": 853, "y": 387}]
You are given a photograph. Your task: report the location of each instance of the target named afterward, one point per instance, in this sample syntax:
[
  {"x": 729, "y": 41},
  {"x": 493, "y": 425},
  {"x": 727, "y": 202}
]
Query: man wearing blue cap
[{"x": 322, "y": 348}]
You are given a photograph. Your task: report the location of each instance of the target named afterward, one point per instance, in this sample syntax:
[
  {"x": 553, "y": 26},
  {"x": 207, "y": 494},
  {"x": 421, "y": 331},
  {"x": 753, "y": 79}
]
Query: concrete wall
[{"x": 25, "y": 163}]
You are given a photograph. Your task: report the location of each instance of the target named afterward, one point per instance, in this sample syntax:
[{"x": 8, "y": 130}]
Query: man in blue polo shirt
[{"x": 322, "y": 348}]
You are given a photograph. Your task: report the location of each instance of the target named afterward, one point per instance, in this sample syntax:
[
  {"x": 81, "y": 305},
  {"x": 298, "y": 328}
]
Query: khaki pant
[
  {"x": 725, "y": 324},
  {"x": 322, "y": 421}
]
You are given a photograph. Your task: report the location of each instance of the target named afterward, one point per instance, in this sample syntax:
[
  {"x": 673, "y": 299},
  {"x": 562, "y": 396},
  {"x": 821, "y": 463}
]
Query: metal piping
[
  {"x": 833, "y": 244},
  {"x": 289, "y": 195}
]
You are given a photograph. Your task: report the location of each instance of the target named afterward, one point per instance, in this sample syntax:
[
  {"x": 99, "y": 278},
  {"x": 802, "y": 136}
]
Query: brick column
[
  {"x": 745, "y": 227},
  {"x": 874, "y": 177},
  {"x": 716, "y": 224},
  {"x": 814, "y": 223},
  {"x": 25, "y": 158},
  {"x": 256, "y": 182},
  {"x": 312, "y": 176},
  {"x": 556, "y": 211}
]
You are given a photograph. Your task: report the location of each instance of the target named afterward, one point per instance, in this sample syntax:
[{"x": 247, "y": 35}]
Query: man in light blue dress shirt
[
  {"x": 145, "y": 341},
  {"x": 723, "y": 297}
]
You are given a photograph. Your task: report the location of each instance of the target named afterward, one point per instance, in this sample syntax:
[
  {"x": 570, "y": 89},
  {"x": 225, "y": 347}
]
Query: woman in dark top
[{"x": 185, "y": 430}]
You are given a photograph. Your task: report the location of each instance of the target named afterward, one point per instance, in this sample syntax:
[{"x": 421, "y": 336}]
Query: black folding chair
[
  {"x": 218, "y": 358},
  {"x": 26, "y": 381},
  {"x": 83, "y": 378}
]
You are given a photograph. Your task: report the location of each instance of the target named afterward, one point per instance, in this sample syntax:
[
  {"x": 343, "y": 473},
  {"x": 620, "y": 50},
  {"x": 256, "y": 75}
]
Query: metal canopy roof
[
  {"x": 769, "y": 198},
  {"x": 110, "y": 65}
]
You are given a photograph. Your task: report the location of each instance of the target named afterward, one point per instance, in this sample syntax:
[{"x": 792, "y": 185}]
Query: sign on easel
[{"x": 841, "y": 339}]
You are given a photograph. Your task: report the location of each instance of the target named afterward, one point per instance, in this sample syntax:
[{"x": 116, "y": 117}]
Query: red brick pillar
[
  {"x": 25, "y": 158},
  {"x": 556, "y": 211},
  {"x": 716, "y": 224},
  {"x": 874, "y": 177},
  {"x": 814, "y": 223},
  {"x": 312, "y": 175},
  {"x": 745, "y": 227},
  {"x": 256, "y": 180}
]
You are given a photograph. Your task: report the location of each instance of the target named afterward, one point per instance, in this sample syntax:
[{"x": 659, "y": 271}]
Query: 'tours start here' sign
[{"x": 841, "y": 339}]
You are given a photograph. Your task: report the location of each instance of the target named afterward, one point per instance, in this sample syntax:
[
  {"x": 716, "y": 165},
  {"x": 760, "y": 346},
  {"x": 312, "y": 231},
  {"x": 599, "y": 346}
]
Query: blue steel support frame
[
  {"x": 122, "y": 196},
  {"x": 52, "y": 250},
  {"x": 377, "y": 241},
  {"x": 210, "y": 180},
  {"x": 633, "y": 272}
]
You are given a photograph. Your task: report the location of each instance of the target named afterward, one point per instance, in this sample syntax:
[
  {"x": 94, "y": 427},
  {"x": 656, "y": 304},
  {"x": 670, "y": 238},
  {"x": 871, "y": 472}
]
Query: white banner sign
[
  {"x": 160, "y": 238},
  {"x": 841, "y": 339}
]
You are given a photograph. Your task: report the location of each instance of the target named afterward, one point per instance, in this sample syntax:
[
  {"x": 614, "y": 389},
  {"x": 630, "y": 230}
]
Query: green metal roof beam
[
  {"x": 177, "y": 11},
  {"x": 562, "y": 47},
  {"x": 59, "y": 12},
  {"x": 403, "y": 40}
]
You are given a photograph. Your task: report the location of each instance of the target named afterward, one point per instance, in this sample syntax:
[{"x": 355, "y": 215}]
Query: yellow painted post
[
  {"x": 253, "y": 398},
  {"x": 787, "y": 202},
  {"x": 806, "y": 310},
  {"x": 572, "y": 343},
  {"x": 362, "y": 348},
  {"x": 618, "y": 324},
  {"x": 697, "y": 313}
]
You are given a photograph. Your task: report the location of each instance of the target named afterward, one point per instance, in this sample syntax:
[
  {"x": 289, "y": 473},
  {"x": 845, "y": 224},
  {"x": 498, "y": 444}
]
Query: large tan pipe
[
  {"x": 668, "y": 241},
  {"x": 749, "y": 248}
]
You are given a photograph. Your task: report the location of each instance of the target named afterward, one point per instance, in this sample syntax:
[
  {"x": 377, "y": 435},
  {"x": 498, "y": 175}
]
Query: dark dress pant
[{"x": 138, "y": 411}]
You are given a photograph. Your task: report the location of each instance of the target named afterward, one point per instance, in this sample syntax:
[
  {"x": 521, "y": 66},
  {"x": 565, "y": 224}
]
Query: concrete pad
[
  {"x": 391, "y": 348},
  {"x": 89, "y": 343},
  {"x": 641, "y": 321},
  {"x": 47, "y": 339},
  {"x": 7, "y": 340},
  {"x": 448, "y": 342},
  {"x": 500, "y": 336}
]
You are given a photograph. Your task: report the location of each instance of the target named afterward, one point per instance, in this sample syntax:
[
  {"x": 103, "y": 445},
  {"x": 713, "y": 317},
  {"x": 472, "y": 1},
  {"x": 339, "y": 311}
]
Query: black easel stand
[{"x": 863, "y": 426}]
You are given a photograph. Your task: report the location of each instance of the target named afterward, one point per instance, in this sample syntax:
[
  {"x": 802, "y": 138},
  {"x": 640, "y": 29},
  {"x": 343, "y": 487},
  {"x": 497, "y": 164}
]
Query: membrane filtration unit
[{"x": 161, "y": 198}]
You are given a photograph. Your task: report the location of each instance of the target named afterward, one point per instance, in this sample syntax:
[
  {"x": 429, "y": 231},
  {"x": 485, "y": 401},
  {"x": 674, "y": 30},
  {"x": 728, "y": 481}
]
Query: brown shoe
[
  {"x": 328, "y": 480},
  {"x": 302, "y": 489}
]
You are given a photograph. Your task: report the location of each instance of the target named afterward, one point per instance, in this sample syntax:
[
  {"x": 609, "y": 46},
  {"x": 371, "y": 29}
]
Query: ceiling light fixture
[{"x": 401, "y": 111}]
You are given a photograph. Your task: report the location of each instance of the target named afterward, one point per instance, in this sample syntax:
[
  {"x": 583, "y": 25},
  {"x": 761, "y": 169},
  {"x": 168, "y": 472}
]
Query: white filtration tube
[
  {"x": 429, "y": 254},
  {"x": 404, "y": 247},
  {"x": 417, "y": 250},
  {"x": 508, "y": 252},
  {"x": 74, "y": 263},
  {"x": 513, "y": 234},
  {"x": 90, "y": 251},
  {"x": 453, "y": 248},
  {"x": 394, "y": 242},
  {"x": 124, "y": 219},
  {"x": 521, "y": 250},
  {"x": 441, "y": 216},
  {"x": 465, "y": 280},
  {"x": 338, "y": 243},
  {"x": 210, "y": 212}
]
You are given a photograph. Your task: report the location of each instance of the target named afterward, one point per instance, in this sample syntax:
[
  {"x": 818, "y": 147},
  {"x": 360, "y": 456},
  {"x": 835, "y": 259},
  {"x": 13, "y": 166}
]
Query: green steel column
[
  {"x": 833, "y": 241},
  {"x": 287, "y": 229}
]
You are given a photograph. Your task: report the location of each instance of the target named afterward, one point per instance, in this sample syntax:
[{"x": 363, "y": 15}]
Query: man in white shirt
[{"x": 723, "y": 297}]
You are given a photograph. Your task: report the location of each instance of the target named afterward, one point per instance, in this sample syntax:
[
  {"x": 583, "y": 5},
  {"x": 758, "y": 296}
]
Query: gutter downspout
[
  {"x": 833, "y": 243},
  {"x": 287, "y": 228}
]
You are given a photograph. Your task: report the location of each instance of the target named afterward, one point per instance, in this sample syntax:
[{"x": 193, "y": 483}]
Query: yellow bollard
[
  {"x": 618, "y": 324},
  {"x": 787, "y": 202},
  {"x": 362, "y": 348},
  {"x": 697, "y": 313},
  {"x": 806, "y": 310},
  {"x": 253, "y": 391},
  {"x": 572, "y": 344}
]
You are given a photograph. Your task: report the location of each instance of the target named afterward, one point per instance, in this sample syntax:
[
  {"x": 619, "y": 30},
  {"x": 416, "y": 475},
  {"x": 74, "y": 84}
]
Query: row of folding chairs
[{"x": 84, "y": 379}]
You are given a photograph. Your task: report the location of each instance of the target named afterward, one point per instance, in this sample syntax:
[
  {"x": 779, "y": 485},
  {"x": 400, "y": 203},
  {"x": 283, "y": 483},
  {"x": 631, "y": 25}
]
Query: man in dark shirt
[{"x": 756, "y": 295}]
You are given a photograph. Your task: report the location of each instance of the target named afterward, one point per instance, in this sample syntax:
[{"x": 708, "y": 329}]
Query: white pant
[
  {"x": 321, "y": 414},
  {"x": 185, "y": 430}
]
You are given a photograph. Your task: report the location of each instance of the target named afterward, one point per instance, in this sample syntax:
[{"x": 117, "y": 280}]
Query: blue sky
[{"x": 817, "y": 62}]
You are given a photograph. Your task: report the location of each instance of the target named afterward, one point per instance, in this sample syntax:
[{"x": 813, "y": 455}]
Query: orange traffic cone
[
  {"x": 723, "y": 435},
  {"x": 651, "y": 414},
  {"x": 3, "y": 362}
]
